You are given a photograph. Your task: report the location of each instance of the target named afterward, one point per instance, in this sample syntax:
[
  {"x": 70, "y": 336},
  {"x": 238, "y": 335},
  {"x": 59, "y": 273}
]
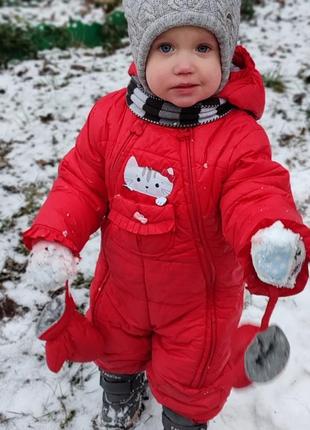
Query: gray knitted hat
[{"x": 147, "y": 19}]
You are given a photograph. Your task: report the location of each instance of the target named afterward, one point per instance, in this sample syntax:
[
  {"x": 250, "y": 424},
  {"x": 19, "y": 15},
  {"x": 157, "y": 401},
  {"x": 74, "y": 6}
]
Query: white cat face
[{"x": 146, "y": 180}]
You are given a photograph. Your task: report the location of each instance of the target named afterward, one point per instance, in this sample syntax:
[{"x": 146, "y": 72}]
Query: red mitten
[
  {"x": 71, "y": 338},
  {"x": 259, "y": 354},
  {"x": 244, "y": 336}
]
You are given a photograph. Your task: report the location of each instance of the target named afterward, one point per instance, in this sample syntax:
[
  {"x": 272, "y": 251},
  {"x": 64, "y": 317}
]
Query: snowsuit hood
[{"x": 245, "y": 88}]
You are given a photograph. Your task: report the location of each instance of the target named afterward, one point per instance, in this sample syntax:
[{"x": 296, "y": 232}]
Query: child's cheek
[{"x": 153, "y": 75}]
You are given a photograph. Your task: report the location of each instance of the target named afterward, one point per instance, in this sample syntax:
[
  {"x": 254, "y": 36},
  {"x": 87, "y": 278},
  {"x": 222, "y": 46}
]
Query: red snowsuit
[{"x": 168, "y": 289}]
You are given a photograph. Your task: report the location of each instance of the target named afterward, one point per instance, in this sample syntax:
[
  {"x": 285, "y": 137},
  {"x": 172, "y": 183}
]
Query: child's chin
[{"x": 184, "y": 103}]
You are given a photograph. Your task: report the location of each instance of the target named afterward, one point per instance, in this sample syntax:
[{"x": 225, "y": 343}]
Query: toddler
[{"x": 177, "y": 173}]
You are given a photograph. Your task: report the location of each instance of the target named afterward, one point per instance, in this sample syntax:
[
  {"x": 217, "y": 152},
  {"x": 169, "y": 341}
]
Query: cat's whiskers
[{"x": 164, "y": 192}]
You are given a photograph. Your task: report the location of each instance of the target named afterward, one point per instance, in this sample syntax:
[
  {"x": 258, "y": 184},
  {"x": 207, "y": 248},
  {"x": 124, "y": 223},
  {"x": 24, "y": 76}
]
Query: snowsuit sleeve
[
  {"x": 256, "y": 193},
  {"x": 76, "y": 203}
]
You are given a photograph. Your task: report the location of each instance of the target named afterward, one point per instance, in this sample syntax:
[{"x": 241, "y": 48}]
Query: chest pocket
[{"x": 145, "y": 229}]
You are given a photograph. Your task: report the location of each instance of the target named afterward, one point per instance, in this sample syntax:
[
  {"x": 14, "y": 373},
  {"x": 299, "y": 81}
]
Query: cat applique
[{"x": 147, "y": 181}]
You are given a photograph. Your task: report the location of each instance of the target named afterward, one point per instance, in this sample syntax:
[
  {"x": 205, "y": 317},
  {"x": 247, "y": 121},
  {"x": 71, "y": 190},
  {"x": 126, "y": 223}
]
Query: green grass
[{"x": 274, "y": 81}]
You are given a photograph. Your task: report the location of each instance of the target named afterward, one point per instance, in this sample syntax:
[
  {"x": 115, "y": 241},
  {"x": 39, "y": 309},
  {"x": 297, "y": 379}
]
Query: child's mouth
[
  {"x": 185, "y": 86},
  {"x": 185, "y": 89}
]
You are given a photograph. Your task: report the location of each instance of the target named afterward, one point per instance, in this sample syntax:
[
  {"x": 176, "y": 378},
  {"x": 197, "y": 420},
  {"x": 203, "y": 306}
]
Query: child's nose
[{"x": 183, "y": 65}]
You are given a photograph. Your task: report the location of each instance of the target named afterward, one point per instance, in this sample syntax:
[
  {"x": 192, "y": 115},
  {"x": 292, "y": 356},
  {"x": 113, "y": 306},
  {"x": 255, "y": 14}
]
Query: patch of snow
[
  {"x": 56, "y": 12},
  {"x": 277, "y": 254},
  {"x": 51, "y": 265}
]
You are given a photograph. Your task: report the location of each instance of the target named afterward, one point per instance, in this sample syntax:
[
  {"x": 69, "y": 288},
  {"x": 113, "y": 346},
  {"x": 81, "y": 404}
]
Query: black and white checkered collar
[{"x": 158, "y": 111}]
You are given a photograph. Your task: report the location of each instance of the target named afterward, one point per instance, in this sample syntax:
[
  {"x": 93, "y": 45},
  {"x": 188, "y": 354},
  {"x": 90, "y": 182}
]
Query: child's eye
[
  {"x": 165, "y": 48},
  {"x": 203, "y": 48}
]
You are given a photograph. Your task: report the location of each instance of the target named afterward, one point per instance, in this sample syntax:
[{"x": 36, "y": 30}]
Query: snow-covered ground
[
  {"x": 57, "y": 12},
  {"x": 44, "y": 104}
]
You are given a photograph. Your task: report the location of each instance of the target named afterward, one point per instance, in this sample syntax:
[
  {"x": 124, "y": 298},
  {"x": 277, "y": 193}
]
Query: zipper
[
  {"x": 204, "y": 254},
  {"x": 116, "y": 162}
]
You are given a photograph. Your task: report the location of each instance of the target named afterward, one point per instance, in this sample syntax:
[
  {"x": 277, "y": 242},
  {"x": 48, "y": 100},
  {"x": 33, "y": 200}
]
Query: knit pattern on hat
[{"x": 147, "y": 19}]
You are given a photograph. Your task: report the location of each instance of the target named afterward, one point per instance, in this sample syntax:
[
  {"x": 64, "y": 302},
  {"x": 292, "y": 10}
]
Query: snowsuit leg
[
  {"x": 143, "y": 335},
  {"x": 127, "y": 347},
  {"x": 171, "y": 374}
]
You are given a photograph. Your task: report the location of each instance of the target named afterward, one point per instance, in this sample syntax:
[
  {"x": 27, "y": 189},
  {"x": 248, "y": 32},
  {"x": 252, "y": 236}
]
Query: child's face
[{"x": 184, "y": 66}]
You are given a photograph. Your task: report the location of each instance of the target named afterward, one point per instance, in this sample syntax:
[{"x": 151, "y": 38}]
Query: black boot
[
  {"x": 122, "y": 399},
  {"x": 173, "y": 421}
]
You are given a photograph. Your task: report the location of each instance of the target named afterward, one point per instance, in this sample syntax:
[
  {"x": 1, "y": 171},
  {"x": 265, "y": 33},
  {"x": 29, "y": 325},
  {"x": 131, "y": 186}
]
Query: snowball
[
  {"x": 51, "y": 265},
  {"x": 277, "y": 255}
]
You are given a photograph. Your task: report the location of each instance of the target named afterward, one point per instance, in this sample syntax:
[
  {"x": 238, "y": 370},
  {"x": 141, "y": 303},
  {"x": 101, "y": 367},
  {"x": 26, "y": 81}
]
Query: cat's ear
[
  {"x": 132, "y": 163},
  {"x": 169, "y": 174}
]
